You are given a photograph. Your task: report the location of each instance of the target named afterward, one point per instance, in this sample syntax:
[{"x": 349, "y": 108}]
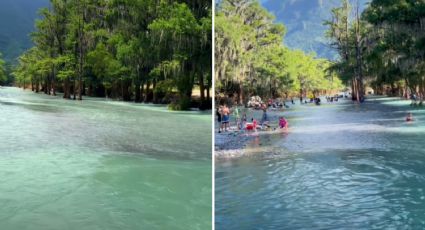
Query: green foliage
[
  {"x": 383, "y": 47},
  {"x": 122, "y": 49},
  {"x": 104, "y": 65},
  {"x": 348, "y": 35},
  {"x": 396, "y": 55},
  {"x": 251, "y": 59},
  {"x": 183, "y": 104},
  {"x": 3, "y": 76}
]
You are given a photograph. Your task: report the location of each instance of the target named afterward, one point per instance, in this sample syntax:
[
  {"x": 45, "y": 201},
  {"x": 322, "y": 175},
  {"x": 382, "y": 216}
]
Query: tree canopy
[
  {"x": 383, "y": 47},
  {"x": 250, "y": 57},
  {"x": 3, "y": 76},
  {"x": 126, "y": 49}
]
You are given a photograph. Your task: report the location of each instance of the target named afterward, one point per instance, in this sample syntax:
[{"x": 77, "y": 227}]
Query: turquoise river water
[
  {"x": 99, "y": 164},
  {"x": 341, "y": 166}
]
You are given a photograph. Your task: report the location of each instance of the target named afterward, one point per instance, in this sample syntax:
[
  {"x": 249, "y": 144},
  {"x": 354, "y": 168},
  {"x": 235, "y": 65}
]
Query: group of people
[
  {"x": 315, "y": 100},
  {"x": 332, "y": 99},
  {"x": 279, "y": 104},
  {"x": 223, "y": 114}
]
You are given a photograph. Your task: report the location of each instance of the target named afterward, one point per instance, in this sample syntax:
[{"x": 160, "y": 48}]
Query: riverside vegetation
[
  {"x": 251, "y": 58},
  {"x": 383, "y": 47},
  {"x": 133, "y": 50}
]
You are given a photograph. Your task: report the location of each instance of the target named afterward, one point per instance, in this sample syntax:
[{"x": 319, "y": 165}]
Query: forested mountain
[
  {"x": 304, "y": 22},
  {"x": 16, "y": 23}
]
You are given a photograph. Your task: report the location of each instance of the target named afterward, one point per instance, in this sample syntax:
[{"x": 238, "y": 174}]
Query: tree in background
[
  {"x": 250, "y": 57},
  {"x": 140, "y": 50},
  {"x": 3, "y": 76},
  {"x": 383, "y": 47},
  {"x": 397, "y": 36},
  {"x": 348, "y": 36}
]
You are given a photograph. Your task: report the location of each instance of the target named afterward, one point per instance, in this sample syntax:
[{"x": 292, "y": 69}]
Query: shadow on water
[{"x": 31, "y": 106}]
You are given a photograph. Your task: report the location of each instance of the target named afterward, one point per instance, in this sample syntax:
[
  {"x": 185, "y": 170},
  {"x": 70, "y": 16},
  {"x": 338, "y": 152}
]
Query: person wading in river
[
  {"x": 218, "y": 113},
  {"x": 283, "y": 123},
  {"x": 225, "y": 117},
  {"x": 264, "y": 119},
  {"x": 409, "y": 117}
]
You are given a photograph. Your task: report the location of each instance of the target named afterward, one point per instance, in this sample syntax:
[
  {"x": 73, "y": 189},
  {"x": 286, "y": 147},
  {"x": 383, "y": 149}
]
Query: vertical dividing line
[{"x": 213, "y": 113}]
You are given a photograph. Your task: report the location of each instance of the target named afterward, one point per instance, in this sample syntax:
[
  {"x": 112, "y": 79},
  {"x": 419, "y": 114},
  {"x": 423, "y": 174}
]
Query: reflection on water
[
  {"x": 100, "y": 164},
  {"x": 341, "y": 166}
]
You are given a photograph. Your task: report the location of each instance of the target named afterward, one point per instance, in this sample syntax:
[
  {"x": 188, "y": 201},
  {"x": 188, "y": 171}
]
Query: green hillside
[{"x": 16, "y": 23}]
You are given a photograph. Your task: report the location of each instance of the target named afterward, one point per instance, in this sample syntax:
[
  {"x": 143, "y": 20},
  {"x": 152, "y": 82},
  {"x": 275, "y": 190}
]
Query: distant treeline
[
  {"x": 134, "y": 50},
  {"x": 383, "y": 46},
  {"x": 251, "y": 59}
]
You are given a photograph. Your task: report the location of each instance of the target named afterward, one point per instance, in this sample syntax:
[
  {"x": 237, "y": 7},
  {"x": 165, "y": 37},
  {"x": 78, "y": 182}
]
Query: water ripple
[{"x": 336, "y": 171}]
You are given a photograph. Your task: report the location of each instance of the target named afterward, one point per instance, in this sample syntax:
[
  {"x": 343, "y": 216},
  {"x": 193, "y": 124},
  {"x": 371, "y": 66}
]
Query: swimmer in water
[
  {"x": 409, "y": 117},
  {"x": 283, "y": 123}
]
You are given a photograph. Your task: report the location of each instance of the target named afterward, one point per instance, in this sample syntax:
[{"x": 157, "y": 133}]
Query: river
[
  {"x": 341, "y": 166},
  {"x": 102, "y": 164}
]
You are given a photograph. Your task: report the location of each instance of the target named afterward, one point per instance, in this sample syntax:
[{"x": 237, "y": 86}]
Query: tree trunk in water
[
  {"x": 37, "y": 86},
  {"x": 66, "y": 89},
  {"x": 208, "y": 90},
  {"x": 301, "y": 96},
  {"x": 421, "y": 92},
  {"x": 74, "y": 90},
  {"x": 359, "y": 59},
  {"x": 148, "y": 85},
  {"x": 357, "y": 91},
  {"x": 241, "y": 94},
  {"x": 53, "y": 87},
  {"x": 80, "y": 81},
  {"x": 125, "y": 92},
  {"x": 137, "y": 92},
  {"x": 45, "y": 87},
  {"x": 142, "y": 91},
  {"x": 81, "y": 49},
  {"x": 137, "y": 82},
  {"x": 154, "y": 94},
  {"x": 202, "y": 89},
  {"x": 353, "y": 90}
]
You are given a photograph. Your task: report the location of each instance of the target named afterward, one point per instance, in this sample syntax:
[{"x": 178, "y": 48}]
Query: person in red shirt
[{"x": 283, "y": 123}]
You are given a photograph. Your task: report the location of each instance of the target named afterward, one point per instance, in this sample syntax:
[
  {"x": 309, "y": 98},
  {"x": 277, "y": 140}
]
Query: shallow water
[
  {"x": 342, "y": 166},
  {"x": 101, "y": 164}
]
